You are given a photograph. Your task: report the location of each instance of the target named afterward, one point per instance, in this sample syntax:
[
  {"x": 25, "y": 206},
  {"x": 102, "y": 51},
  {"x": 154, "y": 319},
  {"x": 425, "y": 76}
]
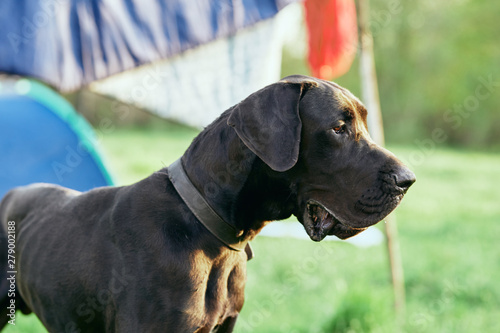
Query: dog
[{"x": 169, "y": 252}]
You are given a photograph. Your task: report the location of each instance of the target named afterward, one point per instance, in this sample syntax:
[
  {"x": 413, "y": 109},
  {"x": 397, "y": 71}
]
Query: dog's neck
[{"x": 242, "y": 189}]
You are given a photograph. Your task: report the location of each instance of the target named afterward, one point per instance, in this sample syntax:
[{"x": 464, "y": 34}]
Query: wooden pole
[{"x": 370, "y": 97}]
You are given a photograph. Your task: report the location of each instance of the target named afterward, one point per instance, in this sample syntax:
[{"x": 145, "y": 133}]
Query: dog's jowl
[{"x": 168, "y": 254}]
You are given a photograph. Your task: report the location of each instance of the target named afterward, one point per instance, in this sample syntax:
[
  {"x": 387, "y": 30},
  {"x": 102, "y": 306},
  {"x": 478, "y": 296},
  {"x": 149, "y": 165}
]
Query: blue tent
[{"x": 43, "y": 139}]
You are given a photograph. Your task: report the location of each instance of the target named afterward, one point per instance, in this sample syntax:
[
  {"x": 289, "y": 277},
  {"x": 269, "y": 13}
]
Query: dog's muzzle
[{"x": 382, "y": 198}]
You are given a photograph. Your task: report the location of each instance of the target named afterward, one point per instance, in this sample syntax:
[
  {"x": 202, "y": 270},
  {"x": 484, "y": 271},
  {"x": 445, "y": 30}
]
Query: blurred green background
[{"x": 438, "y": 65}]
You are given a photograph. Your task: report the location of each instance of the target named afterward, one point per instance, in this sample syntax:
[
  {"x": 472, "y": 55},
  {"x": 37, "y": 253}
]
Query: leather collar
[{"x": 225, "y": 232}]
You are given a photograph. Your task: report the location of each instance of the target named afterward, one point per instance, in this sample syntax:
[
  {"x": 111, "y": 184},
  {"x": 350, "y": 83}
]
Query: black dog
[{"x": 168, "y": 253}]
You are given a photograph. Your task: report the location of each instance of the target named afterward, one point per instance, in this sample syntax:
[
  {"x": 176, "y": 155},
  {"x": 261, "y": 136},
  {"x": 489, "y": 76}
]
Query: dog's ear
[{"x": 269, "y": 124}]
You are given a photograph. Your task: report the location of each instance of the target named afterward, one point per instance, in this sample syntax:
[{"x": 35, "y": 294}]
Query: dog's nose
[{"x": 404, "y": 178}]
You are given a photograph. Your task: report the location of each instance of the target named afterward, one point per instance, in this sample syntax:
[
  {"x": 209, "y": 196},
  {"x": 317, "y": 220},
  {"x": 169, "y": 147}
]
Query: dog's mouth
[{"x": 319, "y": 222}]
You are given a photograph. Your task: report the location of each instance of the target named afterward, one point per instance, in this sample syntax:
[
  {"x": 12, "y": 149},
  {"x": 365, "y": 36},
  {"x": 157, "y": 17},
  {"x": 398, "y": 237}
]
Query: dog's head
[{"x": 316, "y": 132}]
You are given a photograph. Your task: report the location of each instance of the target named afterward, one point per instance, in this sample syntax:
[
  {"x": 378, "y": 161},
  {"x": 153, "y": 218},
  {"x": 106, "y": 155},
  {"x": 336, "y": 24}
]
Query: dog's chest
[{"x": 218, "y": 287}]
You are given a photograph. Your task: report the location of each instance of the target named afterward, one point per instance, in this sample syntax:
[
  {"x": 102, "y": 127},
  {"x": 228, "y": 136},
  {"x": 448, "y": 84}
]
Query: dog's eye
[{"x": 339, "y": 129}]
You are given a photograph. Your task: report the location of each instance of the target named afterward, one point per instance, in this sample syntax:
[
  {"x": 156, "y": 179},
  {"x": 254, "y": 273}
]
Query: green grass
[{"x": 448, "y": 226}]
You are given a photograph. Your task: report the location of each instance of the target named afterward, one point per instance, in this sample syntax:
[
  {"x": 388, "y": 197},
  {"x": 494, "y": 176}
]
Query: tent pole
[{"x": 370, "y": 97}]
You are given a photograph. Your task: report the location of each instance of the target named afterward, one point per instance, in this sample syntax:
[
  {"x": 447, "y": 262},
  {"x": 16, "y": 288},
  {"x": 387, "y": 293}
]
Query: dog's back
[{"x": 20, "y": 201}]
